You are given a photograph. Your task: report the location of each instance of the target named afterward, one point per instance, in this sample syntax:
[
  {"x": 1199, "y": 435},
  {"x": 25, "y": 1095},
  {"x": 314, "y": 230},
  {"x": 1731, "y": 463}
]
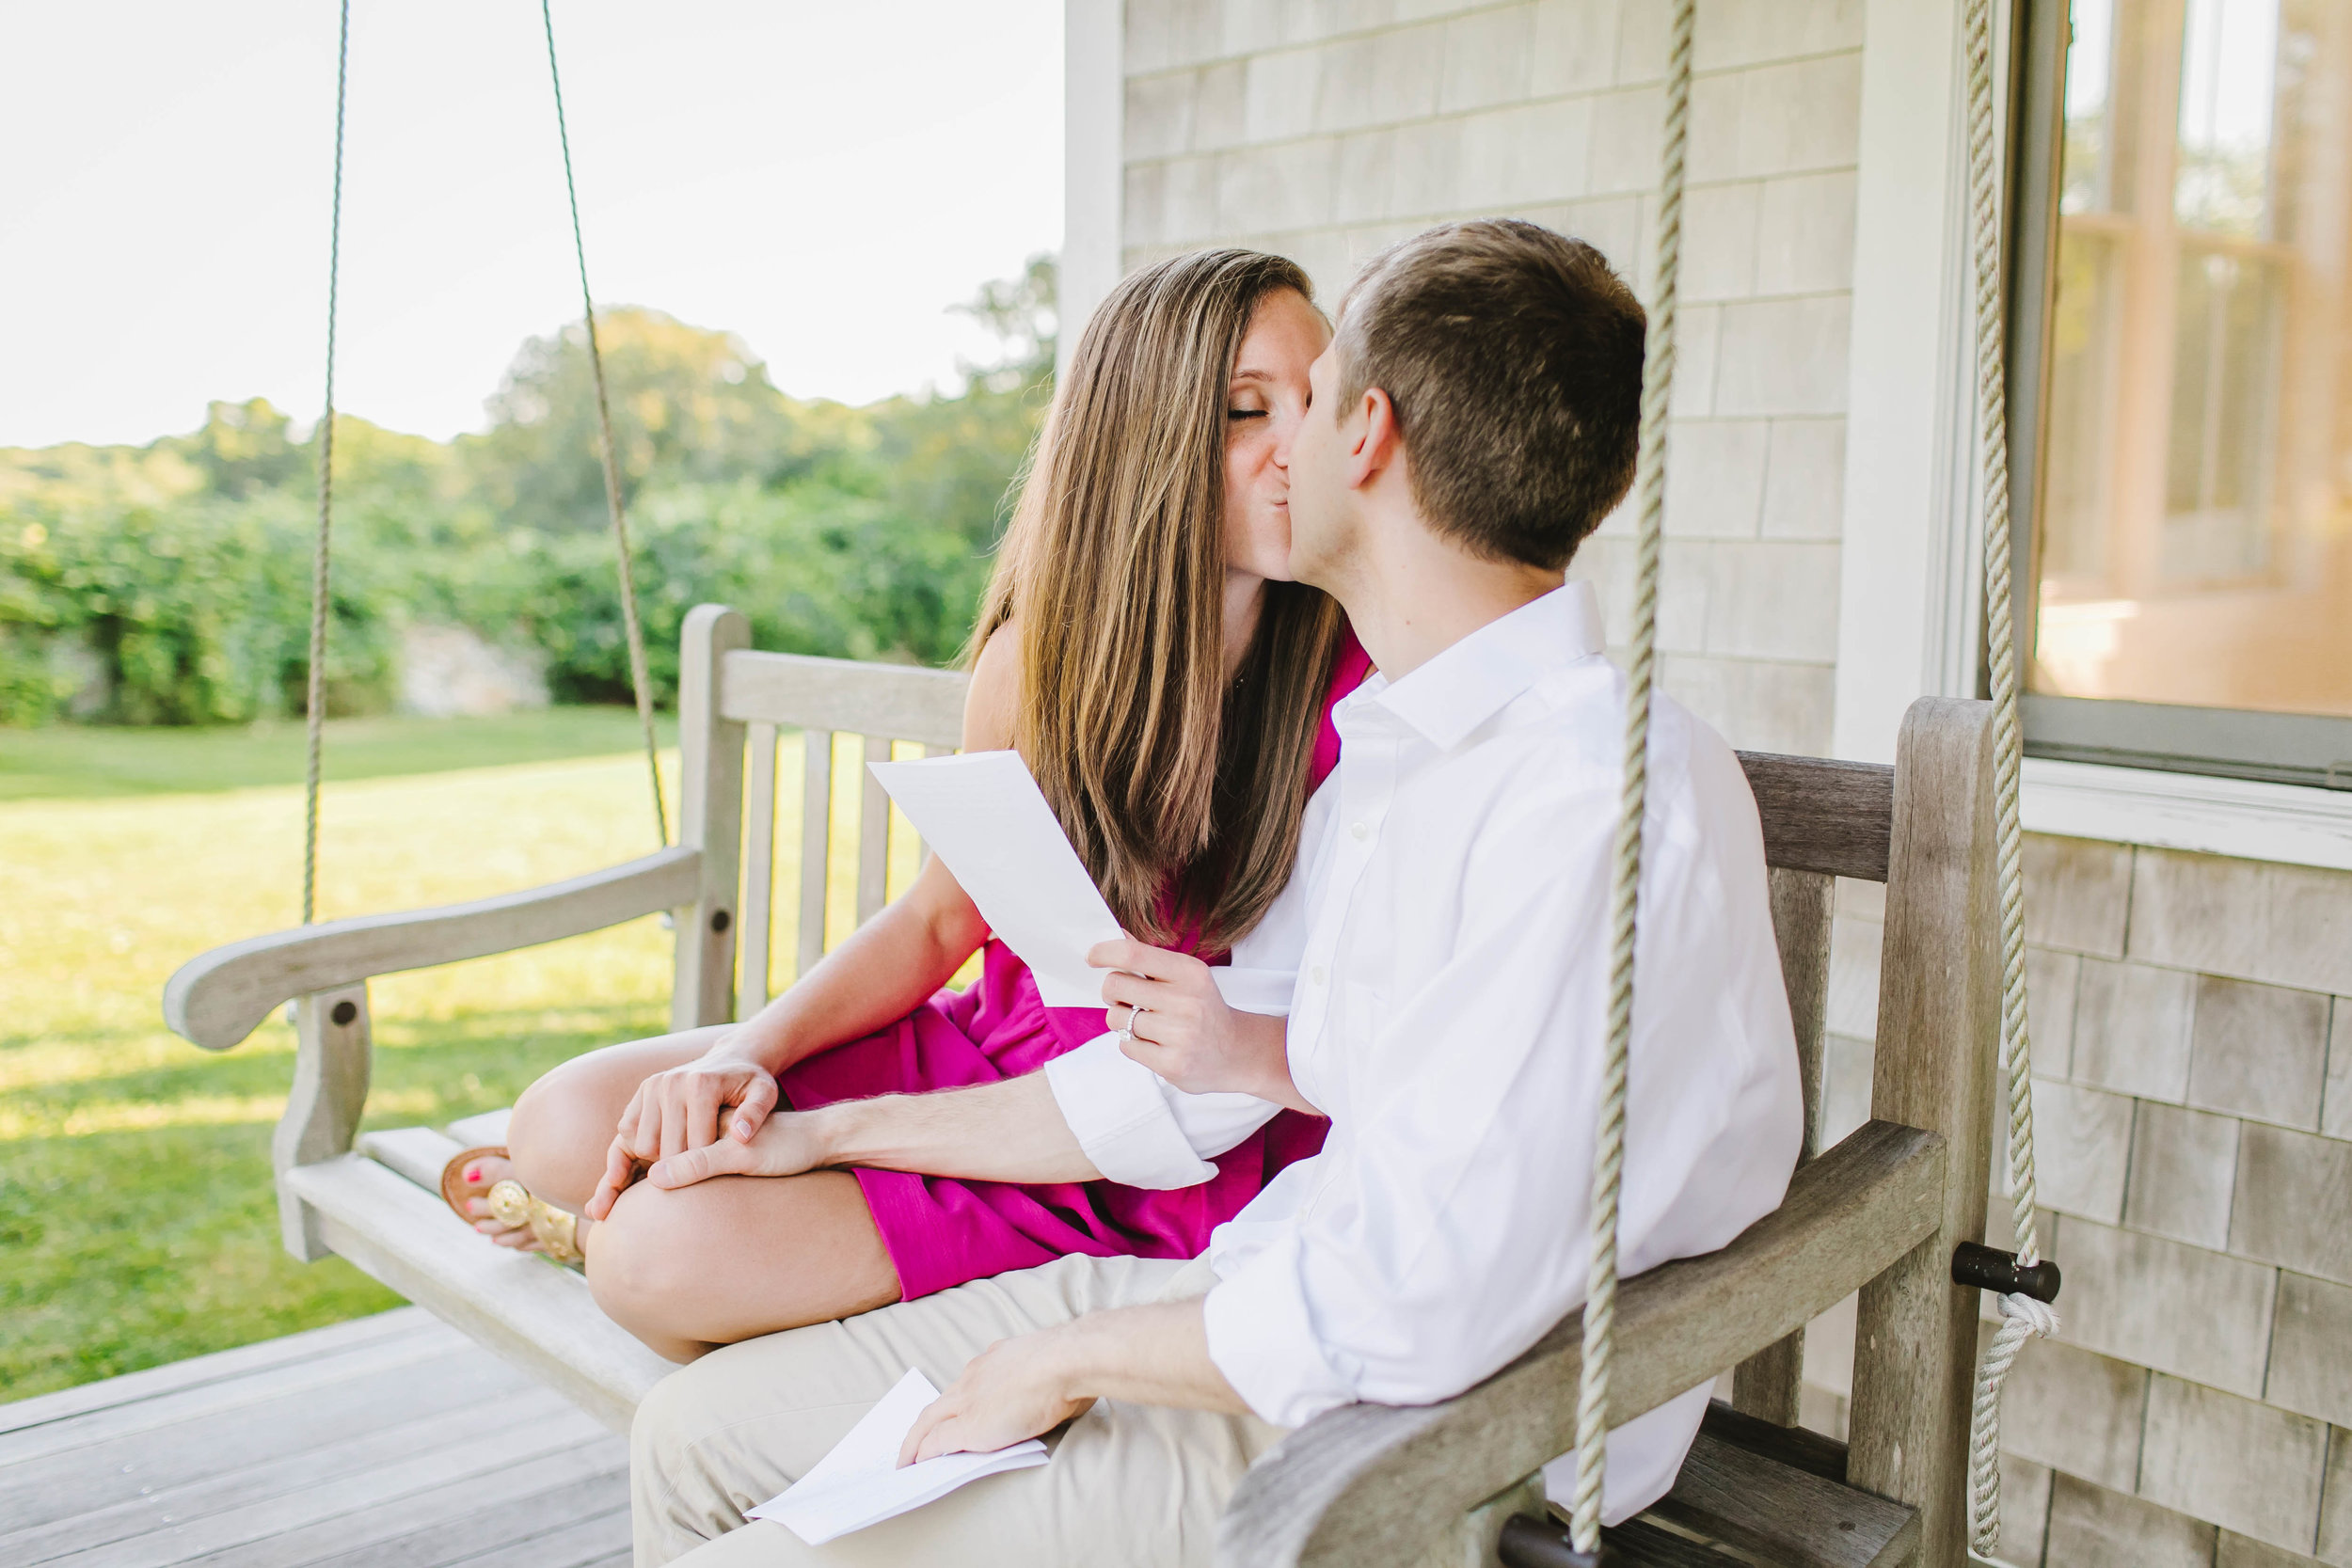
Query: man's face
[{"x": 1321, "y": 507}]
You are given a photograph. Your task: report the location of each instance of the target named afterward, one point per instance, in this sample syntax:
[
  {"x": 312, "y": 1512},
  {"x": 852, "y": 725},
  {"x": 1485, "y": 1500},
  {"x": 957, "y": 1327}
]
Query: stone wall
[
  {"x": 1327, "y": 131},
  {"x": 2192, "y": 1048}
]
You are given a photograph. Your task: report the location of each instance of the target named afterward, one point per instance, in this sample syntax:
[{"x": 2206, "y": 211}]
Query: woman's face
[{"x": 1264, "y": 406}]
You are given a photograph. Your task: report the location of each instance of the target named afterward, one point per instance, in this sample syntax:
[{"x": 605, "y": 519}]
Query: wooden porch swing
[{"x": 1893, "y": 1211}]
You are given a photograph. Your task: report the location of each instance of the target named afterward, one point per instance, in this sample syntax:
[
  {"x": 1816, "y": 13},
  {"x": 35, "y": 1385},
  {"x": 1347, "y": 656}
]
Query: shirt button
[
  {"x": 1361, "y": 830},
  {"x": 1318, "y": 975}
]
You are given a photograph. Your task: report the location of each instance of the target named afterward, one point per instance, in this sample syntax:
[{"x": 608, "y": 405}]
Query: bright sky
[{"x": 825, "y": 179}]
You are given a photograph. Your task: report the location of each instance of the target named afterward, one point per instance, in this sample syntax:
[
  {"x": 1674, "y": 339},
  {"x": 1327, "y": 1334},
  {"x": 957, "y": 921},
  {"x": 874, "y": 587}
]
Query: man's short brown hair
[{"x": 1513, "y": 357}]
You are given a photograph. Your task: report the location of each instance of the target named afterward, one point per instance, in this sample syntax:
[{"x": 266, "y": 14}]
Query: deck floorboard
[{"x": 390, "y": 1442}]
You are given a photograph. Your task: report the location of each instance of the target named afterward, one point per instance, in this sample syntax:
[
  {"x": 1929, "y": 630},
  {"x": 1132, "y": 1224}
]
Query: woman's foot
[
  {"x": 487, "y": 1191},
  {"x": 471, "y": 1192}
]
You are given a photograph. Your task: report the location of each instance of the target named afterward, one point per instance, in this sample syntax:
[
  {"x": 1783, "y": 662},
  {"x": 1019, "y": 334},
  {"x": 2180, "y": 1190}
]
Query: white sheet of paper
[
  {"x": 860, "y": 1484},
  {"x": 983, "y": 814}
]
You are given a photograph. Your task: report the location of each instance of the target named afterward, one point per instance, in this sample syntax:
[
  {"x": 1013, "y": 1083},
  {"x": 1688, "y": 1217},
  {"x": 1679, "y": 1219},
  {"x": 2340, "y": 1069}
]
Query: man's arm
[
  {"x": 1011, "y": 1130},
  {"x": 1087, "y": 1115},
  {"x": 1017, "y": 1388}
]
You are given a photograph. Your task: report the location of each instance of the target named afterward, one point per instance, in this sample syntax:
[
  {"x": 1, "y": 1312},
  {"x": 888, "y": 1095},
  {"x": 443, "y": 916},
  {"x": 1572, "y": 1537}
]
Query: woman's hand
[
  {"x": 1179, "y": 1025},
  {"x": 683, "y": 1109}
]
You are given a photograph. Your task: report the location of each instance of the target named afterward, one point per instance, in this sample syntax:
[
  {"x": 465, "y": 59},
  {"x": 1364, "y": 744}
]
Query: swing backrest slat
[
  {"x": 1768, "y": 1384},
  {"x": 759, "y": 864},
  {"x": 816, "y": 844},
  {"x": 873, "y": 834}
]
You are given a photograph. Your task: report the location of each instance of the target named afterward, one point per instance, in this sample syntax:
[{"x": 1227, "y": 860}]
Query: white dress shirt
[{"x": 1451, "y": 925}]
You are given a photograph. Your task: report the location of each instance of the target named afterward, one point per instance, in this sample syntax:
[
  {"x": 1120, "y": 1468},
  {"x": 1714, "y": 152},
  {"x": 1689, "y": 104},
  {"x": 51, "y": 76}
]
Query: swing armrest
[
  {"x": 1371, "y": 1485},
  {"x": 217, "y": 999}
]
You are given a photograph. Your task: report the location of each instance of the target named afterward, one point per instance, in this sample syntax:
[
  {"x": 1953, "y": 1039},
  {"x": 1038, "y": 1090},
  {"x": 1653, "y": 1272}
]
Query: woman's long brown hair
[{"x": 1181, "y": 791}]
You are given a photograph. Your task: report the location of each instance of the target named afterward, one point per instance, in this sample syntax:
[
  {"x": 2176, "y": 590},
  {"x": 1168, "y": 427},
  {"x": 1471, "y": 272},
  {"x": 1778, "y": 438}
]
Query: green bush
[
  {"x": 197, "y": 610},
  {"x": 181, "y": 570}
]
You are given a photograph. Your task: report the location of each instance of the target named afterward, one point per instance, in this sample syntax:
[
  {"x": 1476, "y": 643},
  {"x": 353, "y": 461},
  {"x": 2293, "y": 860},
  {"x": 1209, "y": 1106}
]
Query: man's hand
[
  {"x": 787, "y": 1144},
  {"x": 1180, "y": 1026},
  {"x": 1015, "y": 1388}
]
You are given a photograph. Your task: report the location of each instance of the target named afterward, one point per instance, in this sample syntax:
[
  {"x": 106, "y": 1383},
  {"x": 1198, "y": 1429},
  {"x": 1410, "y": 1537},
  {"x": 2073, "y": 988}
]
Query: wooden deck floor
[{"x": 389, "y": 1442}]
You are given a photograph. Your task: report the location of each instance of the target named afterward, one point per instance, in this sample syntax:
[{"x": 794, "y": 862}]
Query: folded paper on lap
[
  {"x": 983, "y": 814},
  {"x": 861, "y": 1483}
]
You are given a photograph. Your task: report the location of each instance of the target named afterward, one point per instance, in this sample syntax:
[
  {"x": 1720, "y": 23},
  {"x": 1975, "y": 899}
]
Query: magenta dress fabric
[{"x": 943, "y": 1231}]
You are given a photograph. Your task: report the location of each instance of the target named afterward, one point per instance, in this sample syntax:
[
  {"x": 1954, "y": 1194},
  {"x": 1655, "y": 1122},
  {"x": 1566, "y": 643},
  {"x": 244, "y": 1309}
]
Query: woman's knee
[
  {"x": 560, "y": 1130},
  {"x": 642, "y": 1264}
]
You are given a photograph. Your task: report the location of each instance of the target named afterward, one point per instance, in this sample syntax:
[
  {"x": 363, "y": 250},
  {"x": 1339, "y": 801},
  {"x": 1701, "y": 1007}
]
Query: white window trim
[
  {"x": 1911, "y": 574},
  {"x": 2293, "y": 824}
]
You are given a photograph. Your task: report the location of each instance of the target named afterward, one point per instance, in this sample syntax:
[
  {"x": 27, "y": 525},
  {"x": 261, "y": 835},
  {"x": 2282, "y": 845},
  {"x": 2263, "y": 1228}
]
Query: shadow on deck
[{"x": 388, "y": 1440}]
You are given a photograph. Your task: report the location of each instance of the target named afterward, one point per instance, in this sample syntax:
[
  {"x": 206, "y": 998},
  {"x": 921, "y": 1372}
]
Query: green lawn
[
  {"x": 138, "y": 1224},
  {"x": 85, "y": 761}
]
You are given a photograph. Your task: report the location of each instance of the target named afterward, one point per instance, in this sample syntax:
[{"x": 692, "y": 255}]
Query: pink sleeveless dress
[{"x": 943, "y": 1232}]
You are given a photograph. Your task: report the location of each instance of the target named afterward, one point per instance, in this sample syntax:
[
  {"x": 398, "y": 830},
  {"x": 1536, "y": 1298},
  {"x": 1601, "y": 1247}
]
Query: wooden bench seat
[{"x": 1363, "y": 1485}]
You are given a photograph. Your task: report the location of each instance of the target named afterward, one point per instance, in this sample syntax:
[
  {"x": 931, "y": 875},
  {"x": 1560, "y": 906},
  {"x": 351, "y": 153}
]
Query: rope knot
[{"x": 2038, "y": 1317}]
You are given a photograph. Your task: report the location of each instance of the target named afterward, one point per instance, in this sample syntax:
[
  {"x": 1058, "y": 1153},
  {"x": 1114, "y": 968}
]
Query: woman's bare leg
[
  {"x": 688, "y": 1268},
  {"x": 696, "y": 1267}
]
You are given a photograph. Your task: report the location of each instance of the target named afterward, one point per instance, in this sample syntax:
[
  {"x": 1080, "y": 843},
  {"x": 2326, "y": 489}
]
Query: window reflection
[{"x": 2196, "y": 543}]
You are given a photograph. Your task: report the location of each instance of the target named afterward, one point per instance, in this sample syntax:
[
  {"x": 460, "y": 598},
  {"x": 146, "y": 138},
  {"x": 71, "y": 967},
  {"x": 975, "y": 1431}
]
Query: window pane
[{"x": 2196, "y": 522}]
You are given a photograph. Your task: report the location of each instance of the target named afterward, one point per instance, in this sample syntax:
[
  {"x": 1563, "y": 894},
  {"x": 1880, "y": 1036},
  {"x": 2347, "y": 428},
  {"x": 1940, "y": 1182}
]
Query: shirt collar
[{"x": 1469, "y": 683}]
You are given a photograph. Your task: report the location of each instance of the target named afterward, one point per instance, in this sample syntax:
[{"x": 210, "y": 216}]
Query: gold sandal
[{"x": 557, "y": 1231}]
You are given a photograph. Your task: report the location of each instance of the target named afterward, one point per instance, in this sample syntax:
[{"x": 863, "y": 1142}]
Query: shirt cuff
[
  {"x": 1262, "y": 1336},
  {"x": 1256, "y": 991},
  {"x": 1114, "y": 1105}
]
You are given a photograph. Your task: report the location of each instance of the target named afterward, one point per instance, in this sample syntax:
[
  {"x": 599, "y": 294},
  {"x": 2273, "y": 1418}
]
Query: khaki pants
[{"x": 1128, "y": 1484}]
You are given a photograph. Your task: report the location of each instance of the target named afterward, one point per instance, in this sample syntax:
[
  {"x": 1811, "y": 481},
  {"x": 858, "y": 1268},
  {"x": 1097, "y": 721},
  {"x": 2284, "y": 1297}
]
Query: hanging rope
[
  {"x": 639, "y": 684},
  {"x": 1601, "y": 1291},
  {"x": 2022, "y": 1317},
  {"x": 314, "y": 715}
]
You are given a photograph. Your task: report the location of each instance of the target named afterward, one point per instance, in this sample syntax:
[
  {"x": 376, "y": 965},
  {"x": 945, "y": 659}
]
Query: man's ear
[{"x": 1377, "y": 441}]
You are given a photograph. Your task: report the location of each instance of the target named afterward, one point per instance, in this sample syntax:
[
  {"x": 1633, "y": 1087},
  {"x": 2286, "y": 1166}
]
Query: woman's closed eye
[{"x": 1247, "y": 413}]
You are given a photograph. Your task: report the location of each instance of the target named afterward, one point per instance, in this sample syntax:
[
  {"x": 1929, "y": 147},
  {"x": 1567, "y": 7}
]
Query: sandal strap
[{"x": 557, "y": 1230}]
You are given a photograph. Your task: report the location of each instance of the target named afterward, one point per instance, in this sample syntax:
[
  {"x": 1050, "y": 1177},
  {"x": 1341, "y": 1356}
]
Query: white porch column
[
  {"x": 1906, "y": 623},
  {"x": 1093, "y": 105}
]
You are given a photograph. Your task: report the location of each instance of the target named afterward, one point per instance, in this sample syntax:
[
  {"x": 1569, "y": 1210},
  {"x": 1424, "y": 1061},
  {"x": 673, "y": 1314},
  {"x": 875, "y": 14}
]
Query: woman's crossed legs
[{"x": 688, "y": 1268}]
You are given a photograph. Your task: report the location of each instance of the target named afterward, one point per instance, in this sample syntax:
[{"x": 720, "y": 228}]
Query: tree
[
  {"x": 1025, "y": 314},
  {"x": 243, "y": 450},
  {"x": 688, "y": 406}
]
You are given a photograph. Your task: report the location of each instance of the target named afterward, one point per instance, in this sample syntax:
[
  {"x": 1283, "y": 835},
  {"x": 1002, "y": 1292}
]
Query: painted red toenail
[{"x": 473, "y": 1173}]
